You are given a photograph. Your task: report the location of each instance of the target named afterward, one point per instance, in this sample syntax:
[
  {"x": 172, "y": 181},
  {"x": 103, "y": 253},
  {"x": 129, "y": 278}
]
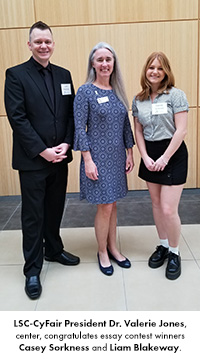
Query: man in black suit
[{"x": 40, "y": 112}]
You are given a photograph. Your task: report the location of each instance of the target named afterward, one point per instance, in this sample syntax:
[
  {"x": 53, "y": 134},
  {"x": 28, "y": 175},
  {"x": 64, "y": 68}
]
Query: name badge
[
  {"x": 159, "y": 108},
  {"x": 103, "y": 99},
  {"x": 66, "y": 89}
]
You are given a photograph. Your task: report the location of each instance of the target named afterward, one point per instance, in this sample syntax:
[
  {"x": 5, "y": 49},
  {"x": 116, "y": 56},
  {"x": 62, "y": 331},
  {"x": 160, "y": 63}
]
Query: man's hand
[{"x": 55, "y": 154}]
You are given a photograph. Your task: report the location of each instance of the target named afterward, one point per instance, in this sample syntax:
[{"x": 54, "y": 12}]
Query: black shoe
[
  {"x": 105, "y": 270},
  {"x": 33, "y": 287},
  {"x": 158, "y": 257},
  {"x": 124, "y": 264},
  {"x": 64, "y": 258},
  {"x": 173, "y": 269}
]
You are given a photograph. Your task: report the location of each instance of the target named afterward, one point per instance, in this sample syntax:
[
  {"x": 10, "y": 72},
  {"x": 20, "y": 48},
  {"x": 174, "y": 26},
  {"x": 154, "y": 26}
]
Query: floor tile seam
[
  {"x": 65, "y": 206},
  {"x": 85, "y": 262},
  {"x": 44, "y": 279},
  {"x": 11, "y": 264},
  {"x": 82, "y": 262},
  {"x": 189, "y": 259},
  {"x": 124, "y": 291},
  {"x": 187, "y": 244},
  {"x": 133, "y": 261},
  {"x": 198, "y": 264},
  {"x": 123, "y": 277},
  {"x": 184, "y": 199},
  {"x": 92, "y": 226},
  {"x": 118, "y": 227},
  {"x": 194, "y": 260},
  {"x": 10, "y": 218}
]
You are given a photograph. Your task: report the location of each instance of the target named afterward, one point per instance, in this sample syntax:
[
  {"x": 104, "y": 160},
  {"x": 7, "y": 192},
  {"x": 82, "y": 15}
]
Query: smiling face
[
  {"x": 103, "y": 63},
  {"x": 42, "y": 45},
  {"x": 155, "y": 73}
]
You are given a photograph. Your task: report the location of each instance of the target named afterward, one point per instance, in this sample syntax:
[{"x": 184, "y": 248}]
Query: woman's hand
[
  {"x": 91, "y": 170},
  {"x": 90, "y": 167},
  {"x": 149, "y": 163},
  {"x": 129, "y": 161},
  {"x": 160, "y": 164}
]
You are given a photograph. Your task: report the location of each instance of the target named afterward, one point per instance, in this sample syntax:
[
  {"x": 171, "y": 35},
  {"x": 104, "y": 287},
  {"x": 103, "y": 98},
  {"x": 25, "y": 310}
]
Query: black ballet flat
[
  {"x": 105, "y": 270},
  {"x": 124, "y": 264}
]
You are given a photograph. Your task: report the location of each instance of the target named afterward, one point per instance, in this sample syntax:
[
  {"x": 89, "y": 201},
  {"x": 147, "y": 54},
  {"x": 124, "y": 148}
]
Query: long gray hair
[{"x": 116, "y": 77}]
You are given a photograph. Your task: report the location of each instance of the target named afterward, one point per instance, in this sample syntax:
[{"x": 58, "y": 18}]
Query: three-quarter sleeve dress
[{"x": 102, "y": 127}]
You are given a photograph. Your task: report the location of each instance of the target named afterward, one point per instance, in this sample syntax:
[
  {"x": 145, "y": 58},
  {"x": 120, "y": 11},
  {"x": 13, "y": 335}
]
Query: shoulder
[
  {"x": 178, "y": 99},
  {"x": 85, "y": 89},
  {"x": 18, "y": 68},
  {"x": 16, "y": 74},
  {"x": 174, "y": 91},
  {"x": 138, "y": 103},
  {"x": 135, "y": 104},
  {"x": 61, "y": 70},
  {"x": 134, "y": 100}
]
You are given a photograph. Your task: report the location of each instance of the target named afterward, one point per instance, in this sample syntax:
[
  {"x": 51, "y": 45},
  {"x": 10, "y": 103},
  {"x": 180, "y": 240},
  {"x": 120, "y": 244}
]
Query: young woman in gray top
[{"x": 160, "y": 119}]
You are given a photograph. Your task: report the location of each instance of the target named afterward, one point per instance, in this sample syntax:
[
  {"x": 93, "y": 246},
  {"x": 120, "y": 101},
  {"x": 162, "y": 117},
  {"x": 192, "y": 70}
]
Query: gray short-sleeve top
[{"x": 157, "y": 127}]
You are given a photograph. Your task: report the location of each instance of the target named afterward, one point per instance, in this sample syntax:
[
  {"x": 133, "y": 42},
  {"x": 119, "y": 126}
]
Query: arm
[
  {"x": 129, "y": 160},
  {"x": 81, "y": 139},
  {"x": 148, "y": 161},
  {"x": 15, "y": 103},
  {"x": 60, "y": 150},
  {"x": 18, "y": 118},
  {"x": 179, "y": 135},
  {"x": 129, "y": 143},
  {"x": 90, "y": 167},
  {"x": 70, "y": 115},
  {"x": 55, "y": 154}
]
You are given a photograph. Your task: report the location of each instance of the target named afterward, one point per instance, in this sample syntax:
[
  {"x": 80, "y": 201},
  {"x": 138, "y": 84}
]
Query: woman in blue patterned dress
[
  {"x": 103, "y": 135},
  {"x": 160, "y": 117}
]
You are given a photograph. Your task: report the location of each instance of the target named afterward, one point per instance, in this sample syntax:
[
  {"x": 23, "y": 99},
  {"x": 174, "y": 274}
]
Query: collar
[{"x": 39, "y": 66}]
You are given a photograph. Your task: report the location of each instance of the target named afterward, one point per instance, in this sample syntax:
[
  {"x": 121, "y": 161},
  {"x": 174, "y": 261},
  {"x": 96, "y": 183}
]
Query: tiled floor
[{"x": 84, "y": 287}]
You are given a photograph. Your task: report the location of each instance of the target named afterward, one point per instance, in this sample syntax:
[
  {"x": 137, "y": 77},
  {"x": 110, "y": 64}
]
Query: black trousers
[{"x": 43, "y": 198}]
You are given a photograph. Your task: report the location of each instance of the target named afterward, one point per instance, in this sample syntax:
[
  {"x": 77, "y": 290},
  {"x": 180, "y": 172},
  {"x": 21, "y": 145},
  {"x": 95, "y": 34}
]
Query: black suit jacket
[{"x": 36, "y": 126}]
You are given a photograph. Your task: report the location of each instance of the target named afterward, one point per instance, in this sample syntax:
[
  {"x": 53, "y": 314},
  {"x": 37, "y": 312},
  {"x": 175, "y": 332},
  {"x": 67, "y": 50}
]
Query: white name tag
[
  {"x": 103, "y": 99},
  {"x": 66, "y": 89},
  {"x": 159, "y": 108}
]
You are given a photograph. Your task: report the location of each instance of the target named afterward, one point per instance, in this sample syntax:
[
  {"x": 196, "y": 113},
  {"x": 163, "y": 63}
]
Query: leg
[
  {"x": 54, "y": 206},
  {"x": 165, "y": 202},
  {"x": 160, "y": 254},
  {"x": 102, "y": 226},
  {"x": 170, "y": 198},
  {"x": 33, "y": 193},
  {"x": 155, "y": 193},
  {"x": 111, "y": 241}
]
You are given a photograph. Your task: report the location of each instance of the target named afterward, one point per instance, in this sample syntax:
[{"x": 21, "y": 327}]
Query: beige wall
[{"x": 134, "y": 28}]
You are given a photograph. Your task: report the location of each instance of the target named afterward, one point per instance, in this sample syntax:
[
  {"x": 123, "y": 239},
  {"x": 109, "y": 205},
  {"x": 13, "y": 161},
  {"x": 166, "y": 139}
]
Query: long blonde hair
[{"x": 166, "y": 83}]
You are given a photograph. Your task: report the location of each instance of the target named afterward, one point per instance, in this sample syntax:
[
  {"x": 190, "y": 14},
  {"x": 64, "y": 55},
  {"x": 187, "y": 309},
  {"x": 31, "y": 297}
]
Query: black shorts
[{"x": 175, "y": 172}]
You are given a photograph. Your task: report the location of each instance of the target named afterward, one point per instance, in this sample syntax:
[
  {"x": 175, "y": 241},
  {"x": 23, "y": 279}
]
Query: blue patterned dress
[{"x": 102, "y": 127}]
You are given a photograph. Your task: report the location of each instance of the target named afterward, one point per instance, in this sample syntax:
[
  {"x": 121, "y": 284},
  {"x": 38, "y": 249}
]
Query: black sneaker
[
  {"x": 158, "y": 257},
  {"x": 173, "y": 269}
]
